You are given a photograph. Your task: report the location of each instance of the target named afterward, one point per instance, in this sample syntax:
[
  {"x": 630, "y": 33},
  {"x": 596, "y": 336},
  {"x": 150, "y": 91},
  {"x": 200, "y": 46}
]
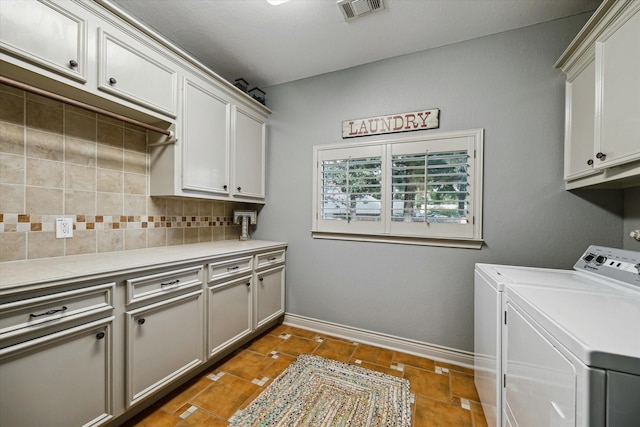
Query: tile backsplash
[{"x": 57, "y": 161}]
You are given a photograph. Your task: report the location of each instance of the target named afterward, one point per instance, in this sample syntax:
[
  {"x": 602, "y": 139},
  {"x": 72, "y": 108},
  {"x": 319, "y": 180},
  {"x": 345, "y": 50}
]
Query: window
[{"x": 422, "y": 190}]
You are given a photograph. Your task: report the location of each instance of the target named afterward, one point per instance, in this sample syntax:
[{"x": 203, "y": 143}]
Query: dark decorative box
[
  {"x": 241, "y": 84},
  {"x": 258, "y": 94}
]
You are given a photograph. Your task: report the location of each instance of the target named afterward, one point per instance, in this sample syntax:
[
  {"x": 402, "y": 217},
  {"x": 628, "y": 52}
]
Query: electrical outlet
[{"x": 64, "y": 228}]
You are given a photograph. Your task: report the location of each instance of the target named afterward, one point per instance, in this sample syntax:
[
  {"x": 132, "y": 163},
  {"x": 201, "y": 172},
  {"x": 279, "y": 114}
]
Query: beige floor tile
[
  {"x": 265, "y": 344},
  {"x": 200, "y": 418},
  {"x": 456, "y": 368},
  {"x": 247, "y": 365},
  {"x": 224, "y": 397},
  {"x": 158, "y": 418},
  {"x": 304, "y": 333},
  {"x": 429, "y": 384},
  {"x": 181, "y": 396},
  {"x": 278, "y": 366},
  {"x": 377, "y": 355},
  {"x": 296, "y": 345},
  {"x": 431, "y": 413},
  {"x": 462, "y": 385},
  {"x": 415, "y": 361},
  {"x": 336, "y": 350},
  {"x": 383, "y": 369}
]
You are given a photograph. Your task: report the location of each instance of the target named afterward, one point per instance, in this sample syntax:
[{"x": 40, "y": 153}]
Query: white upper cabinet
[
  {"x": 602, "y": 121},
  {"x": 205, "y": 137},
  {"x": 46, "y": 34},
  {"x": 133, "y": 71},
  {"x": 249, "y": 154},
  {"x": 618, "y": 91}
]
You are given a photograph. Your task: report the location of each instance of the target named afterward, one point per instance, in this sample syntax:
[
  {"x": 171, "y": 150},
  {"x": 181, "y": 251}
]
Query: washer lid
[{"x": 601, "y": 328}]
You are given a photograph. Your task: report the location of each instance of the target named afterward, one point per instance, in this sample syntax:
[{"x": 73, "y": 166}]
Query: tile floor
[{"x": 444, "y": 394}]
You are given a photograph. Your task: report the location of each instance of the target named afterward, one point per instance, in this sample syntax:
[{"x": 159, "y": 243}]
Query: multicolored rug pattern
[{"x": 318, "y": 392}]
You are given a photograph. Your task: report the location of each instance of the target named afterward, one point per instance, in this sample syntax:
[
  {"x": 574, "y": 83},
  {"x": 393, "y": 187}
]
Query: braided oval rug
[{"x": 318, "y": 392}]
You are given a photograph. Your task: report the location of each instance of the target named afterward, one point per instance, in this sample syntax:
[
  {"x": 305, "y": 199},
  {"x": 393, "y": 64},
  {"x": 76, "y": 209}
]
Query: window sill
[{"x": 403, "y": 240}]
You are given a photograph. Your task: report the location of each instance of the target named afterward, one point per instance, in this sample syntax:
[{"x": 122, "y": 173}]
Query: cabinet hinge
[
  {"x": 505, "y": 317},
  {"x": 474, "y": 154},
  {"x": 504, "y": 380},
  {"x": 473, "y": 220}
]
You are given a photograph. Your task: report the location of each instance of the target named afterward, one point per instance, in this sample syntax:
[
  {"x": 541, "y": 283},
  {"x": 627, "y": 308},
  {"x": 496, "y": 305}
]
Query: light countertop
[{"x": 27, "y": 273}]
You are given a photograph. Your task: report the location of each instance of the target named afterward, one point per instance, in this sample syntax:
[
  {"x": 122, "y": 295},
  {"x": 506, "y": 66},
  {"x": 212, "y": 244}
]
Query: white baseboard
[{"x": 430, "y": 351}]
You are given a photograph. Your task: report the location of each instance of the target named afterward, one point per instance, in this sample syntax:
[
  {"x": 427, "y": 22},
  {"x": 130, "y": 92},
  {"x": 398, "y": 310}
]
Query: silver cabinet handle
[
  {"x": 50, "y": 312},
  {"x": 173, "y": 282},
  {"x": 233, "y": 268}
]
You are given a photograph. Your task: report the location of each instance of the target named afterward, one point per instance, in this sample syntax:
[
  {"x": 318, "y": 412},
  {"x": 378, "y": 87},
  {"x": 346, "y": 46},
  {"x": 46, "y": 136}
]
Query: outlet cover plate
[{"x": 64, "y": 228}]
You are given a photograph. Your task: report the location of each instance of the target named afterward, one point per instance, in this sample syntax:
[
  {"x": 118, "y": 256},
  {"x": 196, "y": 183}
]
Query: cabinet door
[
  {"x": 249, "y": 155},
  {"x": 63, "y": 379},
  {"x": 580, "y": 125},
  {"x": 46, "y": 34},
  {"x": 229, "y": 313},
  {"x": 206, "y": 119},
  {"x": 164, "y": 341},
  {"x": 618, "y": 75},
  {"x": 133, "y": 71},
  {"x": 269, "y": 295}
]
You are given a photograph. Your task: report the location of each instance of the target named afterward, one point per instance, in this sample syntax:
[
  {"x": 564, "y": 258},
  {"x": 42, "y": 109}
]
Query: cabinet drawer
[
  {"x": 167, "y": 283},
  {"x": 132, "y": 71},
  {"x": 62, "y": 309},
  {"x": 229, "y": 268},
  {"x": 269, "y": 258}
]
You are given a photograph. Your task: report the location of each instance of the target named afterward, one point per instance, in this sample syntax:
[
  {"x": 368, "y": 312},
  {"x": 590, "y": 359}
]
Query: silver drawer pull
[
  {"x": 173, "y": 282},
  {"x": 233, "y": 268},
  {"x": 50, "y": 312}
]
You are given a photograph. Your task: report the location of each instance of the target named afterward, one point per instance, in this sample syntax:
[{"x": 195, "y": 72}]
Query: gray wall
[
  {"x": 631, "y": 217},
  {"x": 503, "y": 83}
]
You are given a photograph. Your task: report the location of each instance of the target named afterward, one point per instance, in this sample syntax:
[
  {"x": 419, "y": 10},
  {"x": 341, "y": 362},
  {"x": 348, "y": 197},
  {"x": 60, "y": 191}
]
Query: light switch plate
[{"x": 64, "y": 228}]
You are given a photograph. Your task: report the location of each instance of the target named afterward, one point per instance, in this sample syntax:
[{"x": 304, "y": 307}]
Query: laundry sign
[{"x": 392, "y": 123}]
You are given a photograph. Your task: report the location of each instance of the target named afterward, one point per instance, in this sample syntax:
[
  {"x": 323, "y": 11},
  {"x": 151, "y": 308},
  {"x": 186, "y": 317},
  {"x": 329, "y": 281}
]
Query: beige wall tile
[
  {"x": 190, "y": 207},
  {"x": 40, "y": 200},
  {"x": 109, "y": 181},
  {"x": 44, "y": 114},
  {"x": 44, "y": 245},
  {"x": 109, "y": 204},
  {"x": 218, "y": 209},
  {"x": 135, "y": 139},
  {"x": 191, "y": 235},
  {"x": 174, "y": 236},
  {"x": 44, "y": 145},
  {"x": 110, "y": 240},
  {"x": 11, "y": 169},
  {"x": 82, "y": 242},
  {"x": 110, "y": 133},
  {"x": 13, "y": 246},
  {"x": 156, "y": 237},
  {"x": 78, "y": 202},
  {"x": 80, "y": 177},
  {"x": 80, "y": 152},
  {"x": 232, "y": 232},
  {"x": 135, "y": 183},
  {"x": 12, "y": 107},
  {"x": 110, "y": 157},
  {"x": 135, "y": 239},
  {"x": 11, "y": 138},
  {"x": 174, "y": 207},
  {"x": 12, "y": 198},
  {"x": 80, "y": 125},
  {"x": 217, "y": 233},
  {"x": 45, "y": 173},
  {"x": 134, "y": 205},
  {"x": 156, "y": 206},
  {"x": 205, "y": 208},
  {"x": 135, "y": 162},
  {"x": 205, "y": 234}
]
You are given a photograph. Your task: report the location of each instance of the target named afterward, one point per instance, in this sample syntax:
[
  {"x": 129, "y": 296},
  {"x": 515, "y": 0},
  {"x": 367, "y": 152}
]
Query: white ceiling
[{"x": 268, "y": 45}]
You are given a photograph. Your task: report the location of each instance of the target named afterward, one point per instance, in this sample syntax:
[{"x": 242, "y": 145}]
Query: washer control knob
[
  {"x": 600, "y": 259},
  {"x": 589, "y": 257}
]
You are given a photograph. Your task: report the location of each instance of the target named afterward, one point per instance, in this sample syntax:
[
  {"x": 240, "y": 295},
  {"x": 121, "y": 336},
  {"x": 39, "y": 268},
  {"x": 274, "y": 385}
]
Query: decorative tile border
[{"x": 24, "y": 223}]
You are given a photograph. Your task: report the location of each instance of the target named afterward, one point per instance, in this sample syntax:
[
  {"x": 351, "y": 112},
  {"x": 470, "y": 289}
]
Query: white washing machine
[{"x": 560, "y": 347}]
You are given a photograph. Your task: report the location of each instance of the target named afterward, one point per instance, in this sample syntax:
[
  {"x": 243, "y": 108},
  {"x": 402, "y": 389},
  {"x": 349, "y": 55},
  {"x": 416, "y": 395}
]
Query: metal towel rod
[{"x": 50, "y": 95}]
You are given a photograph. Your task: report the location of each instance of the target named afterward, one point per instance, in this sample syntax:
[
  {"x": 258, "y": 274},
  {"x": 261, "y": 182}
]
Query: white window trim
[{"x": 474, "y": 242}]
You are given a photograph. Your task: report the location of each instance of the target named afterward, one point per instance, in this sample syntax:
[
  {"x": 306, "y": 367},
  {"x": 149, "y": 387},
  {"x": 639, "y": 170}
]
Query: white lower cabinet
[
  {"x": 92, "y": 353},
  {"x": 269, "y": 295},
  {"x": 164, "y": 341},
  {"x": 229, "y": 313},
  {"x": 62, "y": 379}
]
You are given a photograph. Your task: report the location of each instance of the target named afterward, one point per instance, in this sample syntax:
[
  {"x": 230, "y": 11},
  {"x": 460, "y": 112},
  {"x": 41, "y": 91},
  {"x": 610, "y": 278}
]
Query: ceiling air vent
[{"x": 352, "y": 9}]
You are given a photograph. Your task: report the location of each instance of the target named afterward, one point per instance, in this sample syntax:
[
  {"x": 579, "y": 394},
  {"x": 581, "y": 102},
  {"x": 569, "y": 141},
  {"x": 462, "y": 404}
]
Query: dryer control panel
[{"x": 617, "y": 264}]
